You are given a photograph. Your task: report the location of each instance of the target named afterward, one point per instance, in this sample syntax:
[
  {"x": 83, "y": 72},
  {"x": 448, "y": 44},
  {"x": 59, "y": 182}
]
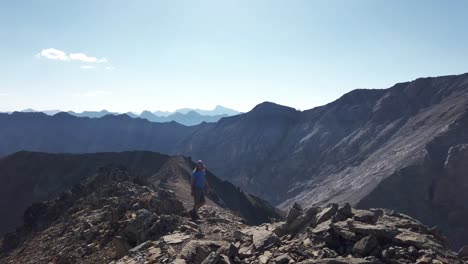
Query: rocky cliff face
[
  {"x": 31, "y": 177},
  {"x": 114, "y": 217}
]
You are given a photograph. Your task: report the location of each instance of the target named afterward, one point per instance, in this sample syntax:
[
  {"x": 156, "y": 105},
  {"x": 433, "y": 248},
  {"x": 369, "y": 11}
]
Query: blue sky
[{"x": 136, "y": 55}]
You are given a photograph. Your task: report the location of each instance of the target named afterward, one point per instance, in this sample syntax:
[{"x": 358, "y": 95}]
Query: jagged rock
[
  {"x": 137, "y": 229},
  {"x": 422, "y": 241},
  {"x": 176, "y": 238},
  {"x": 245, "y": 252},
  {"x": 344, "y": 231},
  {"x": 141, "y": 247},
  {"x": 344, "y": 212},
  {"x": 120, "y": 247},
  {"x": 283, "y": 259},
  {"x": 304, "y": 220},
  {"x": 196, "y": 251},
  {"x": 154, "y": 254},
  {"x": 216, "y": 258},
  {"x": 263, "y": 259},
  {"x": 164, "y": 203},
  {"x": 322, "y": 227},
  {"x": 230, "y": 250},
  {"x": 341, "y": 260},
  {"x": 364, "y": 246},
  {"x": 199, "y": 235},
  {"x": 425, "y": 260},
  {"x": 263, "y": 239},
  {"x": 179, "y": 261},
  {"x": 297, "y": 206},
  {"x": 293, "y": 214},
  {"x": 377, "y": 230},
  {"x": 239, "y": 235},
  {"x": 326, "y": 214},
  {"x": 365, "y": 216},
  {"x": 463, "y": 253}
]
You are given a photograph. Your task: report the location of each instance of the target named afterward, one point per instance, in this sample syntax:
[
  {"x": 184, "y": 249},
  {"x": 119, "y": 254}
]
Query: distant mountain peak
[
  {"x": 218, "y": 110},
  {"x": 271, "y": 107},
  {"x": 64, "y": 114}
]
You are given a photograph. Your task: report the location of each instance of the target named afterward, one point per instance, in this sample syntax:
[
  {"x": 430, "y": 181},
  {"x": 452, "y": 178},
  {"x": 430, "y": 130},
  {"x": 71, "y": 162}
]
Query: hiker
[{"x": 199, "y": 186}]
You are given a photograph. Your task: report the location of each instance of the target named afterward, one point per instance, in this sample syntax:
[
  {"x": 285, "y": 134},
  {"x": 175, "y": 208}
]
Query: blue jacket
[{"x": 199, "y": 179}]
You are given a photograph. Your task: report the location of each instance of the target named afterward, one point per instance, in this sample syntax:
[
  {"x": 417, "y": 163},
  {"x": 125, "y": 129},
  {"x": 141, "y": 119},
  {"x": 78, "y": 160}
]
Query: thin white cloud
[
  {"x": 3, "y": 94},
  {"x": 87, "y": 67},
  {"x": 94, "y": 93},
  {"x": 102, "y": 60},
  {"x": 110, "y": 68},
  {"x": 53, "y": 54},
  {"x": 82, "y": 57}
]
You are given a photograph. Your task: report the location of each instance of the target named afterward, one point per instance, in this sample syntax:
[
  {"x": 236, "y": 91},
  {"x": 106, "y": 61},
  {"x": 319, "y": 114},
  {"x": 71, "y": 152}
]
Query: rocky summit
[{"x": 113, "y": 217}]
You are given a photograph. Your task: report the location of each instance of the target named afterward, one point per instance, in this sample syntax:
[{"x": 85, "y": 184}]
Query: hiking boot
[{"x": 194, "y": 215}]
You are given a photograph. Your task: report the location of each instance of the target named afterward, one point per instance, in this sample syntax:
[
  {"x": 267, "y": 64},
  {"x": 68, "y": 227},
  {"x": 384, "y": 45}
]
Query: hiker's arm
[{"x": 192, "y": 184}]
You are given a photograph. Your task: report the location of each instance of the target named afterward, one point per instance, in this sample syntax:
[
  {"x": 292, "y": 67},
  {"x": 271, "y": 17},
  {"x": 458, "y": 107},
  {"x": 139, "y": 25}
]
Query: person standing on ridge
[{"x": 199, "y": 186}]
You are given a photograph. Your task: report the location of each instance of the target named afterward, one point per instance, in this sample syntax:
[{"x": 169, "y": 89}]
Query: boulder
[
  {"x": 326, "y": 214},
  {"x": 245, "y": 252},
  {"x": 154, "y": 254},
  {"x": 293, "y": 214},
  {"x": 166, "y": 203},
  {"x": 176, "y": 238},
  {"x": 344, "y": 212},
  {"x": 301, "y": 222},
  {"x": 196, "y": 251},
  {"x": 344, "y": 231},
  {"x": 283, "y": 259},
  {"x": 322, "y": 227},
  {"x": 263, "y": 239},
  {"x": 263, "y": 259},
  {"x": 365, "y": 216},
  {"x": 378, "y": 230},
  {"x": 137, "y": 230},
  {"x": 230, "y": 250},
  {"x": 365, "y": 246},
  {"x": 421, "y": 241}
]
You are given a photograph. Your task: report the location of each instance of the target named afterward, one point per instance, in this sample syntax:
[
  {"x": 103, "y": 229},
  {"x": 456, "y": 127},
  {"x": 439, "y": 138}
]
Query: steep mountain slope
[
  {"x": 29, "y": 177},
  {"x": 350, "y": 150},
  {"x": 336, "y": 152},
  {"x": 114, "y": 217}
]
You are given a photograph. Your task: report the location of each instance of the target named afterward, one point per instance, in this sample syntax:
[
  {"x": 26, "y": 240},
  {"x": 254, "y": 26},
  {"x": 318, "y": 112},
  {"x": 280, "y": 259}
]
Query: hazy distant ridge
[{"x": 184, "y": 116}]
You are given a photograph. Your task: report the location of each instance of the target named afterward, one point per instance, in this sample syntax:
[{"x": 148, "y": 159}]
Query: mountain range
[
  {"x": 403, "y": 148},
  {"x": 184, "y": 116}
]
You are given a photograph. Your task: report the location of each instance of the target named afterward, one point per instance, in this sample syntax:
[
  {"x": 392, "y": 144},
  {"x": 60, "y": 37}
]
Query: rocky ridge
[{"x": 112, "y": 217}]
